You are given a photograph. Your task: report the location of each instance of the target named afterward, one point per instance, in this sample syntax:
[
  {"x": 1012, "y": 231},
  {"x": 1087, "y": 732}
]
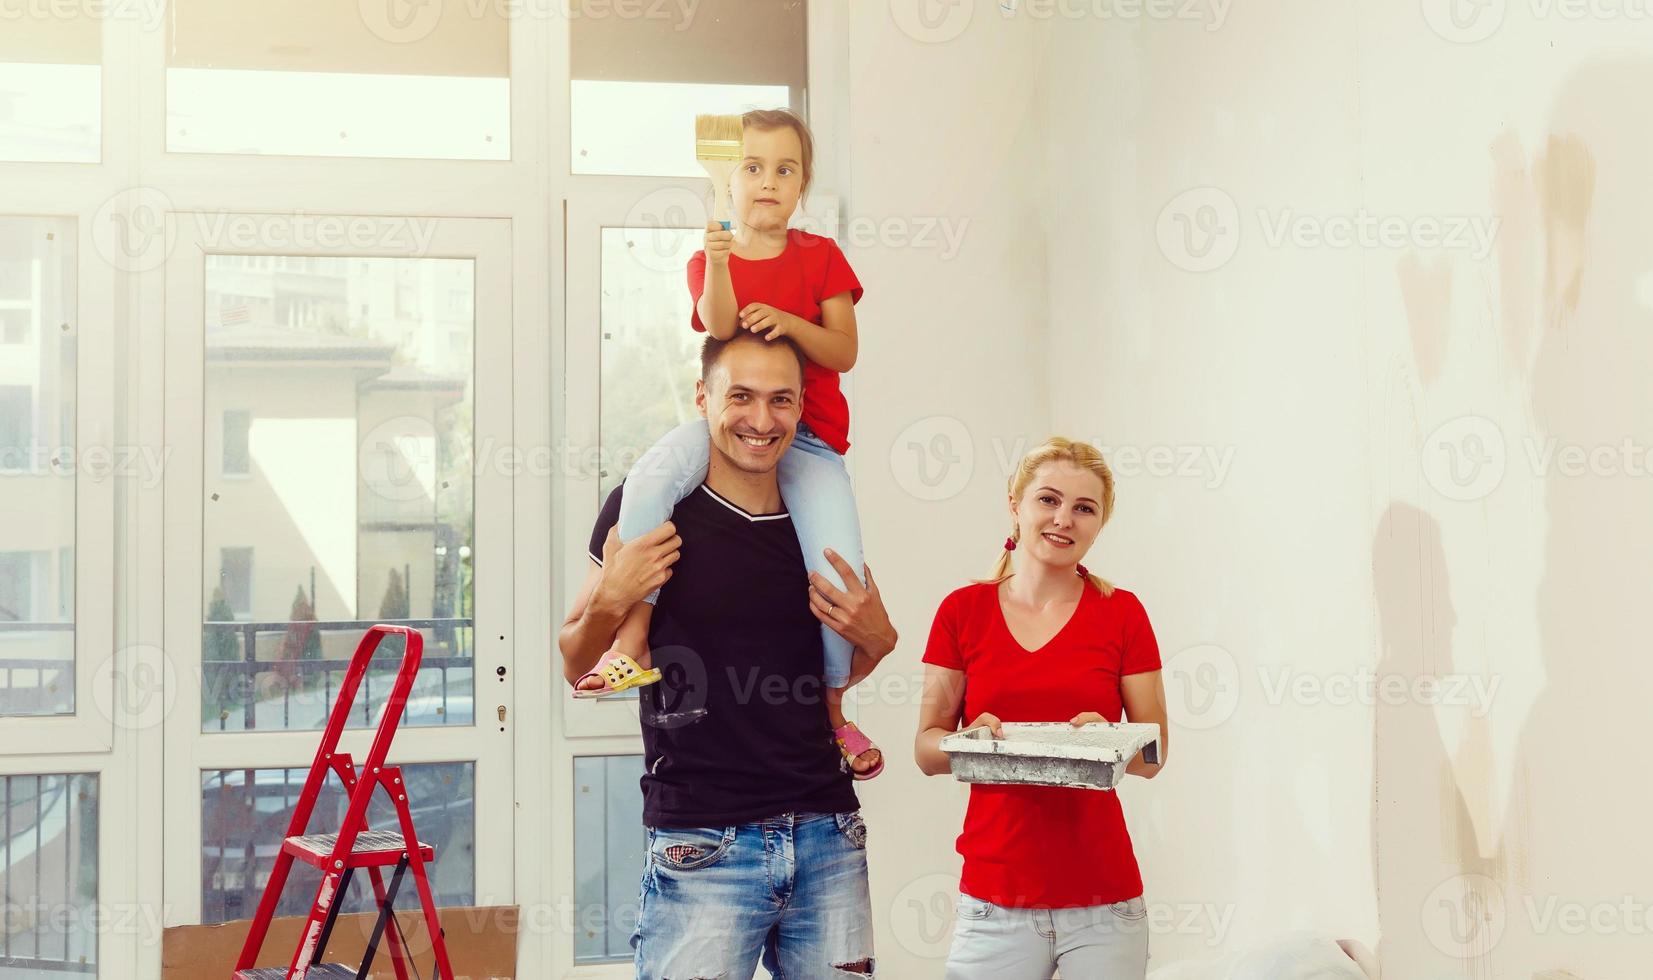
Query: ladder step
[
  {"x": 320, "y": 971},
  {"x": 372, "y": 848}
]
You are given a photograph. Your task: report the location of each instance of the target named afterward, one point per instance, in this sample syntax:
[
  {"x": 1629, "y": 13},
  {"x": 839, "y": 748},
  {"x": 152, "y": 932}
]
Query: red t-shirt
[
  {"x": 1044, "y": 846},
  {"x": 808, "y": 272}
]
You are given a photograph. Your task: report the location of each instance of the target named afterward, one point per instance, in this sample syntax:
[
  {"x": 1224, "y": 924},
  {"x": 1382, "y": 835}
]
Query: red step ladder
[{"x": 355, "y": 845}]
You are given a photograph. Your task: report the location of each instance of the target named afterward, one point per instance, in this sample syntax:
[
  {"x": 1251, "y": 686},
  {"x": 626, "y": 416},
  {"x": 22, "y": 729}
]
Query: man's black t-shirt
[{"x": 736, "y": 730}]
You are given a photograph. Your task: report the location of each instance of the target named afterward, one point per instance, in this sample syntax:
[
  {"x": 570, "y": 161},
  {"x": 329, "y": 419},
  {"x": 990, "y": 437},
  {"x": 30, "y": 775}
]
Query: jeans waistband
[
  {"x": 805, "y": 433},
  {"x": 794, "y": 819}
]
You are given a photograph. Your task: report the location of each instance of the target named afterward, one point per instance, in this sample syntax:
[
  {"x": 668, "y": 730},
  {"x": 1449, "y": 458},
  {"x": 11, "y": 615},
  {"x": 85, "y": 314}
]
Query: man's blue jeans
[{"x": 790, "y": 889}]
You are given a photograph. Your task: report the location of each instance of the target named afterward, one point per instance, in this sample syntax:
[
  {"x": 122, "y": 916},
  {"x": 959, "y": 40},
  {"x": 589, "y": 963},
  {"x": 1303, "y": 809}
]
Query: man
[{"x": 756, "y": 845}]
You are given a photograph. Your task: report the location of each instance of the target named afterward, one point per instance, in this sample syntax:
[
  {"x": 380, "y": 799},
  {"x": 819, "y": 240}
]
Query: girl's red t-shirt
[
  {"x": 1044, "y": 846},
  {"x": 808, "y": 272}
]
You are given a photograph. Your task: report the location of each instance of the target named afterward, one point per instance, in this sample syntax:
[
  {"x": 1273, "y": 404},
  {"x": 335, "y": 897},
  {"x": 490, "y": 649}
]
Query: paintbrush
[{"x": 717, "y": 146}]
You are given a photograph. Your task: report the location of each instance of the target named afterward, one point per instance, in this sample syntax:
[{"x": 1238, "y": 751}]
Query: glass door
[{"x": 337, "y": 391}]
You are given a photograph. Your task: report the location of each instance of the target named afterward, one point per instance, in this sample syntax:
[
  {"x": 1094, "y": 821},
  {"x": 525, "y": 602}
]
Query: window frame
[
  {"x": 188, "y": 747},
  {"x": 100, "y": 462}
]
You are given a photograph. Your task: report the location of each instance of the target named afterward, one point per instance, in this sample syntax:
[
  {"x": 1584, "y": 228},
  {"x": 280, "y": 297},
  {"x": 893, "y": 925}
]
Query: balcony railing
[
  {"x": 48, "y": 682},
  {"x": 304, "y": 687},
  {"x": 273, "y": 691}
]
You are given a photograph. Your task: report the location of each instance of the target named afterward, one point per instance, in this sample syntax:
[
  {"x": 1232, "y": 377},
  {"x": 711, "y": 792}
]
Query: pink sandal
[
  {"x": 852, "y": 742},
  {"x": 619, "y": 673}
]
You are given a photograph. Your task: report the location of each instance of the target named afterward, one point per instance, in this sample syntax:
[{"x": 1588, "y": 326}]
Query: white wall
[
  {"x": 952, "y": 349},
  {"x": 1342, "y": 539},
  {"x": 1247, "y": 550}
]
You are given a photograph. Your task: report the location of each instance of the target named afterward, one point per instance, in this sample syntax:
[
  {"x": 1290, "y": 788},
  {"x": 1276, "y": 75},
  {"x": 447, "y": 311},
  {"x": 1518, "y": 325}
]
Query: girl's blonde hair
[
  {"x": 767, "y": 119},
  {"x": 1057, "y": 450}
]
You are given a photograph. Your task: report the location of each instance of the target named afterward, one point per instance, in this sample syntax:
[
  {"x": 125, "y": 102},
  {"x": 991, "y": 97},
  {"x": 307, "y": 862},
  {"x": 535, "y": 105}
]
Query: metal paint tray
[{"x": 1051, "y": 753}]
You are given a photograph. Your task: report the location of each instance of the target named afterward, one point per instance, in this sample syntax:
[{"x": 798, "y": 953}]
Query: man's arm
[
  {"x": 856, "y": 613},
  {"x": 628, "y": 572},
  {"x": 588, "y": 631}
]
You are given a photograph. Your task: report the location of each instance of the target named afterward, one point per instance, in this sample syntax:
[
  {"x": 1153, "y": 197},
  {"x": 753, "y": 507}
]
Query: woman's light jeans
[
  {"x": 1097, "y": 942},
  {"x": 815, "y": 489}
]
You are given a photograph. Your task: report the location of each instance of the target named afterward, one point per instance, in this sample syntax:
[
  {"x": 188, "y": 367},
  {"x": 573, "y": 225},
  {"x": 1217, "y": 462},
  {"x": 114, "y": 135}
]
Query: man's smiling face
[{"x": 751, "y": 398}]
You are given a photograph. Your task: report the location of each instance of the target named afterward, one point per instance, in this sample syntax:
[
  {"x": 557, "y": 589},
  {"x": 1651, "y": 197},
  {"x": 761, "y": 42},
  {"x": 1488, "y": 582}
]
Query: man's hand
[
  {"x": 988, "y": 721},
  {"x": 857, "y": 613},
  {"x": 634, "y": 569},
  {"x": 1087, "y": 718}
]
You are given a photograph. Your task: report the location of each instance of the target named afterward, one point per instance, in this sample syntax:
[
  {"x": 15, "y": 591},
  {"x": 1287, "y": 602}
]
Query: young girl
[{"x": 774, "y": 282}]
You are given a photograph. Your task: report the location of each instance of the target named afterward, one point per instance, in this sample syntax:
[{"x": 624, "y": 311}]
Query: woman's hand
[
  {"x": 719, "y": 243},
  {"x": 988, "y": 721},
  {"x": 1087, "y": 718},
  {"x": 759, "y": 317}
]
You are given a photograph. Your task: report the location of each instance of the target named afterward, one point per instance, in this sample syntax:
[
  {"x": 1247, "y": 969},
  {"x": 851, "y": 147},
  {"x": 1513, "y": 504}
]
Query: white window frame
[
  {"x": 189, "y": 750},
  {"x": 114, "y": 642},
  {"x": 90, "y": 729}
]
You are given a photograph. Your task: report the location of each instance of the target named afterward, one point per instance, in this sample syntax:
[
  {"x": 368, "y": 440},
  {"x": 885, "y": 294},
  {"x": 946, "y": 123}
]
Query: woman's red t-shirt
[
  {"x": 808, "y": 272},
  {"x": 1044, "y": 846}
]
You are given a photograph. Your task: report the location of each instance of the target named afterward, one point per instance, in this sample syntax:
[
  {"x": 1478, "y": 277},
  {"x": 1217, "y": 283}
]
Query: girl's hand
[
  {"x": 1087, "y": 718},
  {"x": 718, "y": 244},
  {"x": 761, "y": 317},
  {"x": 988, "y": 721}
]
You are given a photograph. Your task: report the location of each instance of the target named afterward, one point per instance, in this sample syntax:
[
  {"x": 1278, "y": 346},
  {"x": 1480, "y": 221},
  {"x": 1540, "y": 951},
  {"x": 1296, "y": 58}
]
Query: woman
[{"x": 1049, "y": 876}]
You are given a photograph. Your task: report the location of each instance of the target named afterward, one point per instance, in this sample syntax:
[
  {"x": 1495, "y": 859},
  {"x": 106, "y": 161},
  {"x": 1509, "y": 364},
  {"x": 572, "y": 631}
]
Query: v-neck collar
[
  {"x": 742, "y": 511},
  {"x": 1004, "y": 621}
]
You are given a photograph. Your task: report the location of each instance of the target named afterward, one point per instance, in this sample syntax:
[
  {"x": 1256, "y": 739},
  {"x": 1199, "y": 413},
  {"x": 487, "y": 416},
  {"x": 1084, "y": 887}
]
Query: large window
[
  {"x": 295, "y": 444},
  {"x": 374, "y": 79},
  {"x": 663, "y": 64},
  {"x": 37, "y": 467},
  {"x": 349, "y": 449},
  {"x": 342, "y": 389}
]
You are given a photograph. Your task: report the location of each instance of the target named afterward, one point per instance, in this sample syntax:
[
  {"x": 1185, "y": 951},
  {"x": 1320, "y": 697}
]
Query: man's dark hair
[{"x": 712, "y": 351}]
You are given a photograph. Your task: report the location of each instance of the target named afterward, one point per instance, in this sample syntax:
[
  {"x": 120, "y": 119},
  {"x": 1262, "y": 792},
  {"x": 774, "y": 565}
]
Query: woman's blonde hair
[
  {"x": 1057, "y": 450},
  {"x": 767, "y": 119}
]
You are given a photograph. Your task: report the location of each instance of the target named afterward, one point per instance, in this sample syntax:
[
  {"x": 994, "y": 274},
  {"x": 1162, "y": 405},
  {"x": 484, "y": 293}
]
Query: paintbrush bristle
[{"x": 717, "y": 137}]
